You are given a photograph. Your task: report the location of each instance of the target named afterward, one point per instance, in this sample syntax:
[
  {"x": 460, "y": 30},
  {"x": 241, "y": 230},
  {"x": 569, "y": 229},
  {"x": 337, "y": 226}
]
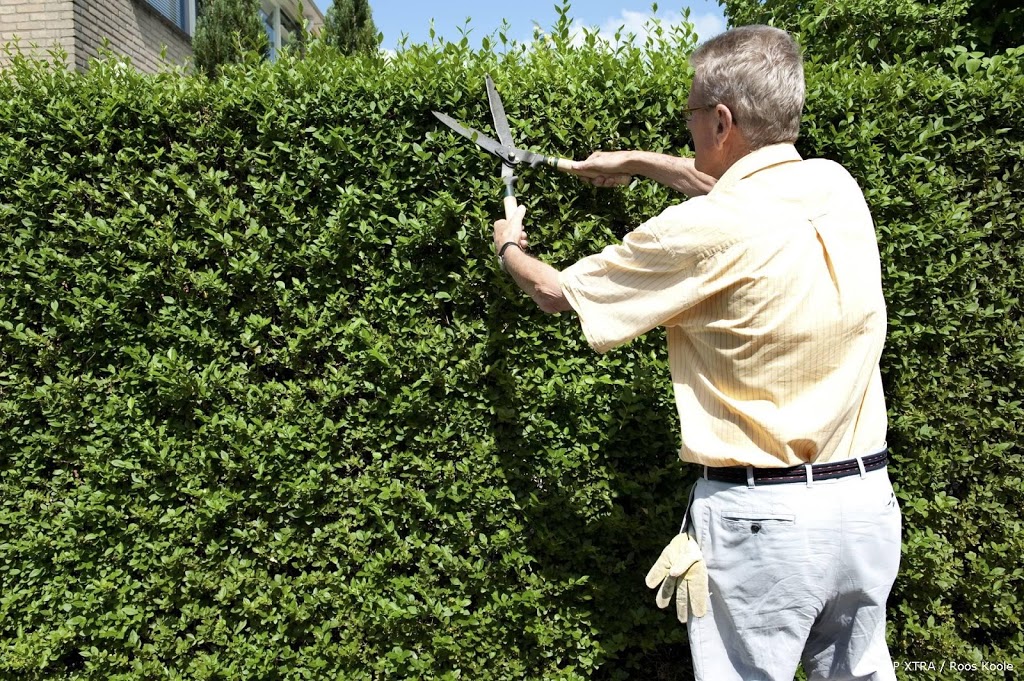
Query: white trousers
[{"x": 797, "y": 572}]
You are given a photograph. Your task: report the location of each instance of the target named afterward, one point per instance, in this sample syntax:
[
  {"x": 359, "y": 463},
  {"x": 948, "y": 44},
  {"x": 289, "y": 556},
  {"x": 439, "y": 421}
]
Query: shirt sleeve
[{"x": 630, "y": 288}]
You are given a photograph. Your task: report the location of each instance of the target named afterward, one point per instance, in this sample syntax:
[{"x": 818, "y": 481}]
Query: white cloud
[{"x": 706, "y": 25}]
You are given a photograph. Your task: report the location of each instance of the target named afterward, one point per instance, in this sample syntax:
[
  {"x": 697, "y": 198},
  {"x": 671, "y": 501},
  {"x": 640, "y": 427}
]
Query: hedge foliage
[{"x": 269, "y": 409}]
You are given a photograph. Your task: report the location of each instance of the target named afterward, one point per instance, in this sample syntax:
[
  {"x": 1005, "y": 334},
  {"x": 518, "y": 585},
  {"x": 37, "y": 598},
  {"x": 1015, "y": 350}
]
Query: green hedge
[{"x": 268, "y": 408}]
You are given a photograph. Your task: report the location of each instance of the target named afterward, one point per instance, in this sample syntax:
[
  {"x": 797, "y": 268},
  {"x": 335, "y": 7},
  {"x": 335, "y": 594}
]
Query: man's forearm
[
  {"x": 537, "y": 279},
  {"x": 676, "y": 172}
]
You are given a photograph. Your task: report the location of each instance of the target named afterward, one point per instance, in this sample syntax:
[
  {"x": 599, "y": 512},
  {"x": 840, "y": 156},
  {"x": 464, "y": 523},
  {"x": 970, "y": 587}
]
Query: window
[
  {"x": 181, "y": 13},
  {"x": 282, "y": 29},
  {"x": 289, "y": 30},
  {"x": 270, "y": 26}
]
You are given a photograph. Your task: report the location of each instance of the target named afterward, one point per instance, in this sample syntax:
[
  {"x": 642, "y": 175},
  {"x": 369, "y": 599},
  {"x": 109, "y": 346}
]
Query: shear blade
[
  {"x": 498, "y": 114},
  {"x": 481, "y": 140}
]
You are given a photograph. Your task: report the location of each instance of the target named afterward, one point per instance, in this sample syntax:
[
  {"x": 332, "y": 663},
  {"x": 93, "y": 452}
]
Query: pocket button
[{"x": 755, "y": 528}]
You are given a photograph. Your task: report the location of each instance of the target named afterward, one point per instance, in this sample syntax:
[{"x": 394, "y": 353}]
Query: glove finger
[
  {"x": 658, "y": 571},
  {"x": 697, "y": 588},
  {"x": 682, "y": 604},
  {"x": 664, "y": 596}
]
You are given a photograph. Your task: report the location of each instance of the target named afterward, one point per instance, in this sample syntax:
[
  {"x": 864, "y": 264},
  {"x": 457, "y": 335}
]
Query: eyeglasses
[{"x": 688, "y": 112}]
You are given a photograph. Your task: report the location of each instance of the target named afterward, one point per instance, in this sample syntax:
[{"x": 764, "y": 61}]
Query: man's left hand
[{"x": 510, "y": 230}]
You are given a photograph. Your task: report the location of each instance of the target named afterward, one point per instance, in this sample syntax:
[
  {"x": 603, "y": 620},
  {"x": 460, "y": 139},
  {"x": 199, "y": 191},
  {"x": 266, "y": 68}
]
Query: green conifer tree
[
  {"x": 227, "y": 30},
  {"x": 349, "y": 27}
]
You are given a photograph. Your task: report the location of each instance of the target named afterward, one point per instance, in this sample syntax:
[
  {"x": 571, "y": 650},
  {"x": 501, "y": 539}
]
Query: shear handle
[{"x": 509, "y": 201}]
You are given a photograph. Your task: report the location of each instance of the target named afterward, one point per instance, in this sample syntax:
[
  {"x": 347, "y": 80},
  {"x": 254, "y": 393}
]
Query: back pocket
[{"x": 756, "y": 523}]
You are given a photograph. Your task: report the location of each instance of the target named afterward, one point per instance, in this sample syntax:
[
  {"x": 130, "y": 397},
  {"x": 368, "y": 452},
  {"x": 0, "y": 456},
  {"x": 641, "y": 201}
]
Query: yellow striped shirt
[{"x": 770, "y": 290}]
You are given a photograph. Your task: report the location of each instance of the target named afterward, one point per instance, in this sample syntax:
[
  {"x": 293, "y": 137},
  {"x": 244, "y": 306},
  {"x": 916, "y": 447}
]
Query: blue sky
[{"x": 395, "y": 17}]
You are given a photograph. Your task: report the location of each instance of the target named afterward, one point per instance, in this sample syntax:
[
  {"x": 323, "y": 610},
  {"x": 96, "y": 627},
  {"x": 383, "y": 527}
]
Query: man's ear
[
  {"x": 723, "y": 123},
  {"x": 720, "y": 121}
]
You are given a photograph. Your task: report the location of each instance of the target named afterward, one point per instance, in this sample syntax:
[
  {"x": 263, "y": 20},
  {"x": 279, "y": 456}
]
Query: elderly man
[{"x": 769, "y": 285}]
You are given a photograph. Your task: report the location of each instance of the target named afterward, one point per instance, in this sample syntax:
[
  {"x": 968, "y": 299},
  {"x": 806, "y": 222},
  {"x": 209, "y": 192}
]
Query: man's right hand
[{"x": 604, "y": 168}]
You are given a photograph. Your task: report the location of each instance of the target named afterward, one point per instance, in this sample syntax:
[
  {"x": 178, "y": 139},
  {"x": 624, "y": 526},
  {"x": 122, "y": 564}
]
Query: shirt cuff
[{"x": 567, "y": 282}]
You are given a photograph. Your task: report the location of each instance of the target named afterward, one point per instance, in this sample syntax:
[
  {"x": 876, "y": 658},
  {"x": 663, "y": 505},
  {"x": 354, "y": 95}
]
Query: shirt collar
[{"x": 756, "y": 161}]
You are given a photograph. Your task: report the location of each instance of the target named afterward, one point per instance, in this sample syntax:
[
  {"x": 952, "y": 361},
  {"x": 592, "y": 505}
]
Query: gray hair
[{"x": 758, "y": 72}]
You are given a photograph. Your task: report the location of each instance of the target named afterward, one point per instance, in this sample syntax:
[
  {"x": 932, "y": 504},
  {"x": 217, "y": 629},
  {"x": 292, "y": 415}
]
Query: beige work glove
[{"x": 681, "y": 569}]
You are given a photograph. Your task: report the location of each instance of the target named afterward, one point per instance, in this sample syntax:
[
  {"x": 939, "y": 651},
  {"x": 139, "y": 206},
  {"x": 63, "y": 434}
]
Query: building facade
[{"x": 155, "y": 34}]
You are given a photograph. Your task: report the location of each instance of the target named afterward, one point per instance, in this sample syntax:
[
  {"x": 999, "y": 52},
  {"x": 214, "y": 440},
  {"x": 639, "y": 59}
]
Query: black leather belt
[{"x": 778, "y": 476}]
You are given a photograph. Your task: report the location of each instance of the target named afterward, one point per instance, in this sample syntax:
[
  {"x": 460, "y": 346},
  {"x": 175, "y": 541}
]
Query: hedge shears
[{"x": 506, "y": 151}]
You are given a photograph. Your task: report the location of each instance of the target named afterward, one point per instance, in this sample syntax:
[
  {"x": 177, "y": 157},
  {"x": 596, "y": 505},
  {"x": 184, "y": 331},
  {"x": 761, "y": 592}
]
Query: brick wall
[
  {"x": 39, "y": 25},
  {"x": 133, "y": 28}
]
